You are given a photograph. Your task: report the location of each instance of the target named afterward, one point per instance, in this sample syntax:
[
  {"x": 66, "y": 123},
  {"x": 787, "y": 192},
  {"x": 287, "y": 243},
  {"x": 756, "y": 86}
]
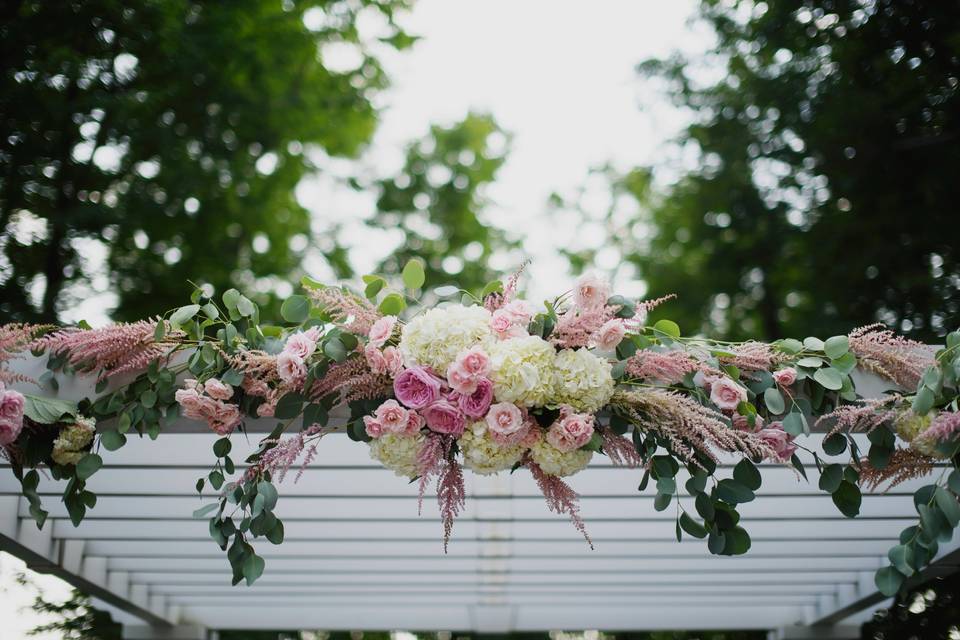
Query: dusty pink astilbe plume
[
  {"x": 903, "y": 465},
  {"x": 689, "y": 426},
  {"x": 944, "y": 427},
  {"x": 451, "y": 495},
  {"x": 647, "y": 306},
  {"x": 560, "y": 497},
  {"x": 255, "y": 364},
  {"x": 621, "y": 451},
  {"x": 352, "y": 380},
  {"x": 347, "y": 309},
  {"x": 114, "y": 350},
  {"x": 15, "y": 338},
  {"x": 434, "y": 449},
  {"x": 866, "y": 415},
  {"x": 890, "y": 356},
  {"x": 577, "y": 327},
  {"x": 668, "y": 367},
  {"x": 496, "y": 300},
  {"x": 753, "y": 356},
  {"x": 284, "y": 452}
]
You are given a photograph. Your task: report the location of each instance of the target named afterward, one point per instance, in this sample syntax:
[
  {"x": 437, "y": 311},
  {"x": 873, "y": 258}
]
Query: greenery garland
[{"x": 495, "y": 383}]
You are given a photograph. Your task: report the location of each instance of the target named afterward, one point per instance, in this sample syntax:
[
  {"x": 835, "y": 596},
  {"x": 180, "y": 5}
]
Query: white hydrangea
[
  {"x": 434, "y": 338},
  {"x": 559, "y": 463},
  {"x": 522, "y": 370},
  {"x": 397, "y": 453},
  {"x": 484, "y": 456},
  {"x": 582, "y": 380}
]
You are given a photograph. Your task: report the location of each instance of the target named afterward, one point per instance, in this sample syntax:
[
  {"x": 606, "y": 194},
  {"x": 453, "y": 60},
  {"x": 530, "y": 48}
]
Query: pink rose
[
  {"x": 741, "y": 424},
  {"x": 381, "y": 331},
  {"x": 520, "y": 311},
  {"x": 785, "y": 377},
  {"x": 705, "y": 380},
  {"x": 474, "y": 361},
  {"x": 533, "y": 434},
  {"x": 520, "y": 437},
  {"x": 571, "y": 431},
  {"x": 291, "y": 368},
  {"x": 778, "y": 440},
  {"x": 727, "y": 394},
  {"x": 393, "y": 359},
  {"x": 392, "y": 417},
  {"x": 444, "y": 417},
  {"x": 11, "y": 415},
  {"x": 375, "y": 359},
  {"x": 461, "y": 380},
  {"x": 504, "y": 324},
  {"x": 414, "y": 423},
  {"x": 217, "y": 389},
  {"x": 301, "y": 345},
  {"x": 477, "y": 403},
  {"x": 223, "y": 418},
  {"x": 190, "y": 402},
  {"x": 592, "y": 292},
  {"x": 416, "y": 387},
  {"x": 266, "y": 409},
  {"x": 374, "y": 429},
  {"x": 504, "y": 418},
  {"x": 610, "y": 335}
]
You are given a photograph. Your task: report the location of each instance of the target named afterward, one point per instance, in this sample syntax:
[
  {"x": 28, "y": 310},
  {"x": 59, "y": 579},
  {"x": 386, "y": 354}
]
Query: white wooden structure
[{"x": 357, "y": 556}]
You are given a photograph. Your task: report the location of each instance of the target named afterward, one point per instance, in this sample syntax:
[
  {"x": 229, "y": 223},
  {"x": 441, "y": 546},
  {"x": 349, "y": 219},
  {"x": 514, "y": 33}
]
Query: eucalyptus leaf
[{"x": 413, "y": 274}]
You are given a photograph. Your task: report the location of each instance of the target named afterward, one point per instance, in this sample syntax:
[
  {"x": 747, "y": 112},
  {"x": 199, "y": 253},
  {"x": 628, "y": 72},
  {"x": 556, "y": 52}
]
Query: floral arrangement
[{"x": 491, "y": 384}]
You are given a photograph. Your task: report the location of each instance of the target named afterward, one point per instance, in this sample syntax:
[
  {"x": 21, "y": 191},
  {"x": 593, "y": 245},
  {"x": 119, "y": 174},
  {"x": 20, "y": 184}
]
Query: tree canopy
[
  {"x": 168, "y": 139},
  {"x": 823, "y": 194}
]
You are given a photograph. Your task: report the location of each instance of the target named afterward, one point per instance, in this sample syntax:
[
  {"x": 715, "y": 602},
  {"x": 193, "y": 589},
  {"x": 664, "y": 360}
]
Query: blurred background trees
[
  {"x": 823, "y": 190},
  {"x": 144, "y": 144},
  {"x": 167, "y": 138}
]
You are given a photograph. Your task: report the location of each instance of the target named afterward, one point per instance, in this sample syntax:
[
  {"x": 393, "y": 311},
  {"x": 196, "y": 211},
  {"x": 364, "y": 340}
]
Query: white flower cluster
[
  {"x": 559, "y": 463},
  {"x": 71, "y": 444},
  {"x": 484, "y": 456},
  {"x": 523, "y": 370},
  {"x": 435, "y": 338},
  {"x": 582, "y": 380},
  {"x": 397, "y": 453}
]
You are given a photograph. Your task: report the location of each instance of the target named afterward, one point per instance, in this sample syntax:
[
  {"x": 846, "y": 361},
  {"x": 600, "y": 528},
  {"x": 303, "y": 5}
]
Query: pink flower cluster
[
  {"x": 589, "y": 322},
  {"x": 208, "y": 401},
  {"x": 509, "y": 425},
  {"x": 724, "y": 392},
  {"x": 511, "y": 320},
  {"x": 11, "y": 414},
  {"x": 571, "y": 430},
  {"x": 442, "y": 404},
  {"x": 383, "y": 360},
  {"x": 292, "y": 361}
]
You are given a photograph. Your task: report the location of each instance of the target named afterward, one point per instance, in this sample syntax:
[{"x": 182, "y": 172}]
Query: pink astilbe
[
  {"x": 560, "y": 497},
  {"x": 496, "y": 300},
  {"x": 753, "y": 356},
  {"x": 353, "y": 380},
  {"x": 621, "y": 451},
  {"x": 890, "y": 356},
  {"x": 689, "y": 426},
  {"x": 903, "y": 465},
  {"x": 945, "y": 427},
  {"x": 15, "y": 338},
  {"x": 668, "y": 367},
  {"x": 646, "y": 306},
  {"x": 451, "y": 495},
  {"x": 866, "y": 415},
  {"x": 284, "y": 452},
  {"x": 114, "y": 350},
  {"x": 430, "y": 457},
  {"x": 255, "y": 364},
  {"x": 347, "y": 309},
  {"x": 577, "y": 327}
]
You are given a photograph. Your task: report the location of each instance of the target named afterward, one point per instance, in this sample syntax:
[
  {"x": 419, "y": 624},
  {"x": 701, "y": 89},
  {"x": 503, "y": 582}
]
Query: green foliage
[
  {"x": 441, "y": 188},
  {"x": 173, "y": 134},
  {"x": 824, "y": 186}
]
